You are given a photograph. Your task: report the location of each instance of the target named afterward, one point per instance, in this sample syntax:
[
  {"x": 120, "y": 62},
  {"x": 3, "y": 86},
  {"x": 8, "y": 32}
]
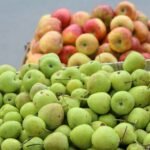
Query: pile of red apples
[{"x": 105, "y": 34}]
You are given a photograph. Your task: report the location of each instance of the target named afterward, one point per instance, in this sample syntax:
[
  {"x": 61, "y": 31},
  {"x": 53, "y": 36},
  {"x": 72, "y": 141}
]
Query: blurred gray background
[{"x": 18, "y": 19}]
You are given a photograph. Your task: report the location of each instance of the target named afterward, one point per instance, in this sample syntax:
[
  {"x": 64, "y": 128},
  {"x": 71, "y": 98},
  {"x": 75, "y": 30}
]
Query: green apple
[
  {"x": 126, "y": 132},
  {"x": 146, "y": 141},
  {"x": 122, "y": 102},
  {"x": 108, "y": 119},
  {"x": 26, "y": 67},
  {"x": 9, "y": 98},
  {"x": 90, "y": 67},
  {"x": 96, "y": 124},
  {"x": 56, "y": 141},
  {"x": 147, "y": 108},
  {"x": 121, "y": 80},
  {"x": 98, "y": 82},
  {"x": 57, "y": 77},
  {"x": 105, "y": 137},
  {"x": 141, "y": 95},
  {"x": 99, "y": 102},
  {"x": 35, "y": 143},
  {"x": 73, "y": 84},
  {"x": 78, "y": 59},
  {"x": 148, "y": 127},
  {"x": 10, "y": 129},
  {"x": 107, "y": 67},
  {"x": 68, "y": 102},
  {"x": 31, "y": 77},
  {"x": 81, "y": 136},
  {"x": 52, "y": 114},
  {"x": 77, "y": 116},
  {"x": 65, "y": 129},
  {"x": 28, "y": 109},
  {"x": 70, "y": 73},
  {"x": 23, "y": 136},
  {"x": 140, "y": 133},
  {"x": 21, "y": 99},
  {"x": 1, "y": 140},
  {"x": 9, "y": 82},
  {"x": 92, "y": 113},
  {"x": 10, "y": 143},
  {"x": 12, "y": 116},
  {"x": 37, "y": 87},
  {"x": 140, "y": 77},
  {"x": 81, "y": 94},
  {"x": 139, "y": 117},
  {"x": 44, "y": 97},
  {"x": 134, "y": 61},
  {"x": 58, "y": 88},
  {"x": 33, "y": 125},
  {"x": 49, "y": 64},
  {"x": 7, "y": 67},
  {"x": 7, "y": 108},
  {"x": 1, "y": 99},
  {"x": 135, "y": 146}
]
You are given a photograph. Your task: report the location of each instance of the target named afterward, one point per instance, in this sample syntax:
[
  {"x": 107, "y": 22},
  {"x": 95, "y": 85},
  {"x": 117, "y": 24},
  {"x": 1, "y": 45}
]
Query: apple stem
[
  {"x": 123, "y": 134},
  {"x": 34, "y": 144}
]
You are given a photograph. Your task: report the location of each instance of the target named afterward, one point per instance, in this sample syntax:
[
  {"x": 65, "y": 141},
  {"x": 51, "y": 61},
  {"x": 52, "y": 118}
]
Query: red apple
[
  {"x": 66, "y": 52},
  {"x": 52, "y": 42},
  {"x": 64, "y": 15},
  {"x": 148, "y": 37},
  {"x": 80, "y": 17},
  {"x": 146, "y": 55},
  {"x": 104, "y": 12},
  {"x": 123, "y": 56},
  {"x": 140, "y": 31},
  {"x": 136, "y": 45},
  {"x": 122, "y": 21},
  {"x": 120, "y": 39},
  {"x": 126, "y": 8},
  {"x": 96, "y": 27},
  {"x": 71, "y": 33}
]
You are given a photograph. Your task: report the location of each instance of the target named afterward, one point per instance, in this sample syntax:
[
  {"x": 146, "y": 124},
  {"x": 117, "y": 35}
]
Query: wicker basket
[{"x": 116, "y": 66}]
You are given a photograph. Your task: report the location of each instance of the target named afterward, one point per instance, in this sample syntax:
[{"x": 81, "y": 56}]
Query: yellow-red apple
[
  {"x": 34, "y": 46},
  {"x": 71, "y": 33},
  {"x": 148, "y": 24},
  {"x": 140, "y": 31},
  {"x": 148, "y": 38},
  {"x": 78, "y": 59},
  {"x": 80, "y": 17},
  {"x": 146, "y": 47},
  {"x": 142, "y": 17},
  {"x": 52, "y": 42},
  {"x": 106, "y": 57},
  {"x": 105, "y": 47},
  {"x": 120, "y": 39},
  {"x": 47, "y": 23},
  {"x": 104, "y": 12},
  {"x": 95, "y": 26},
  {"x": 126, "y": 8},
  {"x": 66, "y": 52},
  {"x": 64, "y": 15},
  {"x": 122, "y": 21},
  {"x": 87, "y": 43},
  {"x": 33, "y": 58}
]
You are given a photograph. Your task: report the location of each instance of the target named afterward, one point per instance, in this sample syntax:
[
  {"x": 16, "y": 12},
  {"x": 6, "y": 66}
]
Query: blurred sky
[{"x": 18, "y": 20}]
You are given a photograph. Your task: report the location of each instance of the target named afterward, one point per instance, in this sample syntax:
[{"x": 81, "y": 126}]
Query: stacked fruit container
[{"x": 84, "y": 83}]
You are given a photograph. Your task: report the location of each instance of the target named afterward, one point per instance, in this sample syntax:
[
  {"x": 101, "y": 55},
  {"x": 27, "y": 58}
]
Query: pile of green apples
[{"x": 94, "y": 106}]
